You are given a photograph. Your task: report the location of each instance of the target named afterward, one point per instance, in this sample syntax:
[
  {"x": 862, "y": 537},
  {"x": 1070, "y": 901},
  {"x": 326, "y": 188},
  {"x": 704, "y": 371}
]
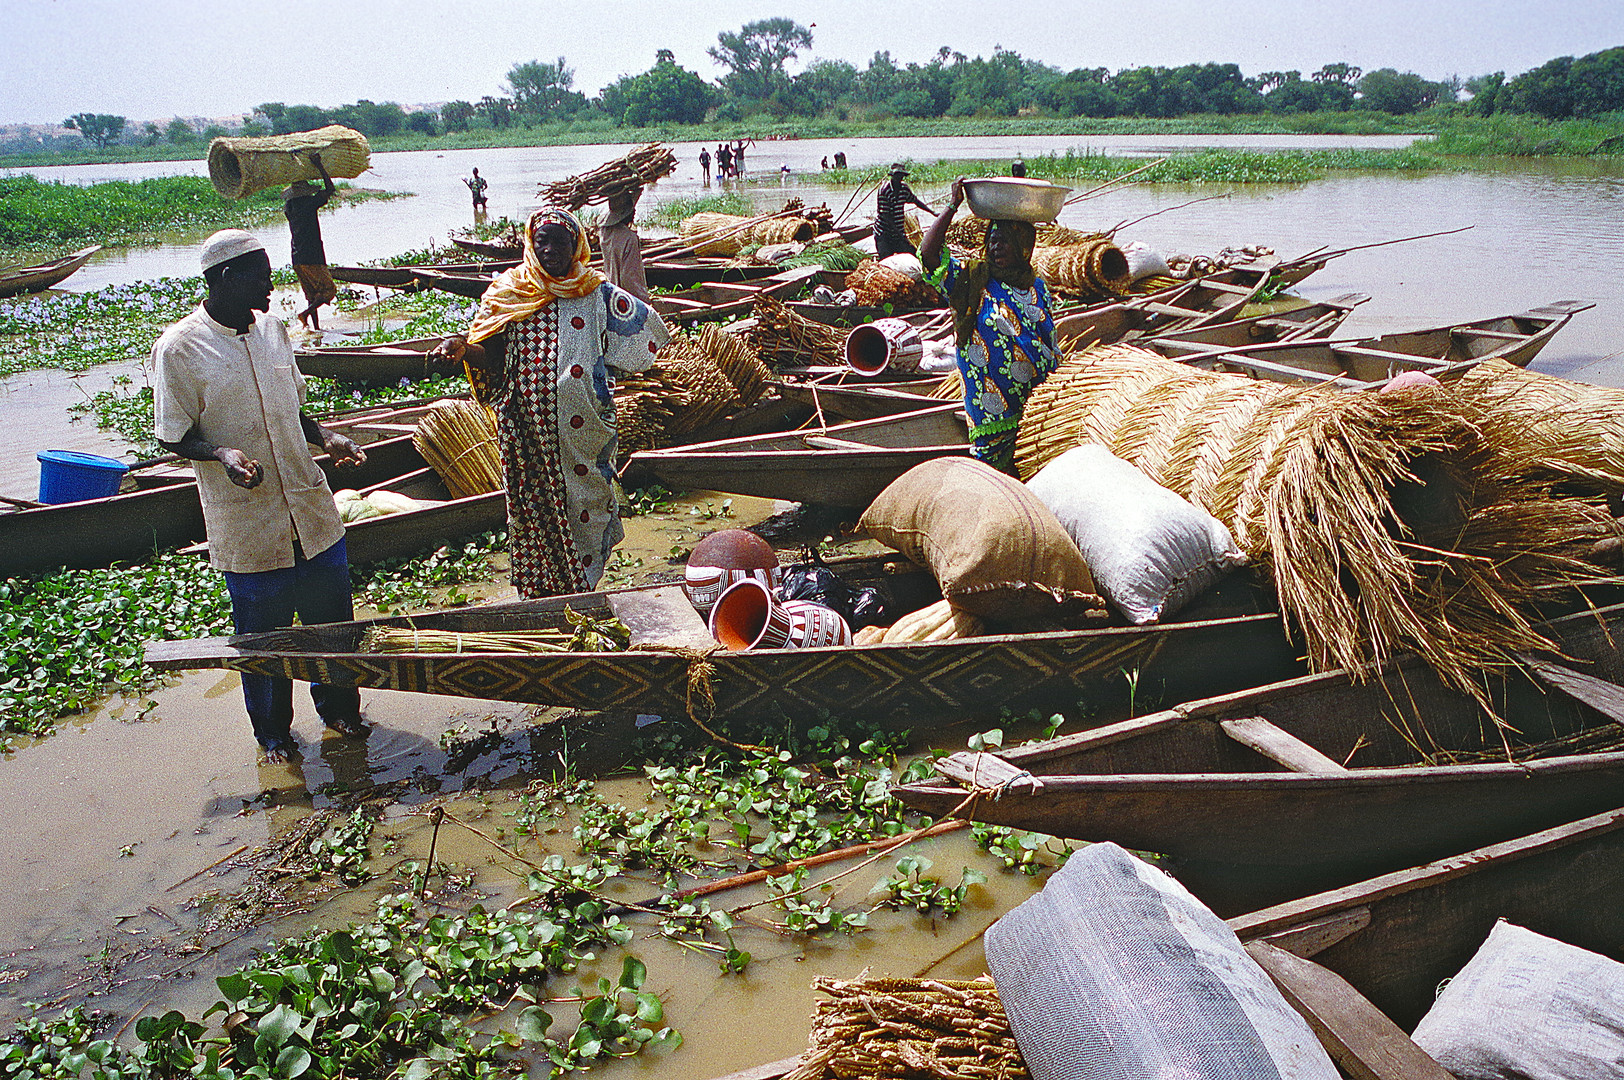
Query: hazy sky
[{"x": 159, "y": 58}]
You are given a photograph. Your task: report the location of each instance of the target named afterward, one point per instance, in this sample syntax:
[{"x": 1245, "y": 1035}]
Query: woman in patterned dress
[
  {"x": 538, "y": 355},
  {"x": 1002, "y": 325}
]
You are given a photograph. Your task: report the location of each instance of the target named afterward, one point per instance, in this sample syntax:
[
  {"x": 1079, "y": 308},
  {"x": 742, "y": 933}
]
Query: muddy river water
[{"x": 114, "y": 823}]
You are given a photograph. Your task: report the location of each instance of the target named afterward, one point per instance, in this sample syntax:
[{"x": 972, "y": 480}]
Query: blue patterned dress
[{"x": 1011, "y": 351}]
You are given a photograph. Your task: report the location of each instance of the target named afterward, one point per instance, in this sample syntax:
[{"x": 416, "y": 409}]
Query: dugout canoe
[
  {"x": 487, "y": 249},
  {"x": 673, "y": 274},
  {"x": 16, "y": 280},
  {"x": 384, "y": 364},
  {"x": 1228, "y": 638},
  {"x": 1444, "y": 352},
  {"x": 157, "y": 507},
  {"x": 1213, "y": 298},
  {"x": 1316, "y": 782},
  {"x": 1363, "y": 964},
  {"x": 1309, "y": 322},
  {"x": 404, "y": 277},
  {"x": 837, "y": 465}
]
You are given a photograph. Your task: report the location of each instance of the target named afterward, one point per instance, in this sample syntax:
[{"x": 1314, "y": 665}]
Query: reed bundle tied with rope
[
  {"x": 738, "y": 362},
  {"x": 910, "y": 1029},
  {"x": 458, "y": 439},
  {"x": 728, "y": 234},
  {"x": 1091, "y": 268},
  {"x": 1386, "y": 521},
  {"x": 584, "y": 633},
  {"x": 643, "y": 166},
  {"x": 783, "y": 338},
  {"x": 877, "y": 285},
  {"x": 242, "y": 165},
  {"x": 641, "y": 420}
]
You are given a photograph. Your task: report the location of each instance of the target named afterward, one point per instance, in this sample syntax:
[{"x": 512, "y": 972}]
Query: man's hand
[
  {"x": 343, "y": 450},
  {"x": 242, "y": 470}
]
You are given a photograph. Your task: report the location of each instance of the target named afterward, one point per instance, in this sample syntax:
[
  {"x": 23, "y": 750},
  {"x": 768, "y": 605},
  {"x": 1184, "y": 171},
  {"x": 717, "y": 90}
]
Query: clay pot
[
  {"x": 1407, "y": 380},
  {"x": 884, "y": 344},
  {"x": 725, "y": 558},
  {"x": 749, "y": 616}
]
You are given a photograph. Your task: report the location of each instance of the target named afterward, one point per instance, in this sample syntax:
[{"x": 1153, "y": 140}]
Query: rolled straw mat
[
  {"x": 1386, "y": 521},
  {"x": 240, "y": 166}
]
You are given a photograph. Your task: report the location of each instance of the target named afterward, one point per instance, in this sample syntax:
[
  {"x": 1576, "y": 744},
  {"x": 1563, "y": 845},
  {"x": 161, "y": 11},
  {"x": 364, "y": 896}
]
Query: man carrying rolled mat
[
  {"x": 230, "y": 397},
  {"x": 300, "y": 204}
]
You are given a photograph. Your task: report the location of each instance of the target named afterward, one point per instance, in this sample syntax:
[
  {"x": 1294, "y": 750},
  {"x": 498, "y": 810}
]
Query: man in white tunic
[{"x": 229, "y": 397}]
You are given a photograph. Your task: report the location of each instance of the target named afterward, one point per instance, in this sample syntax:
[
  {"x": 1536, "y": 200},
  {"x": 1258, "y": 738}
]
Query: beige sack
[
  {"x": 243, "y": 165},
  {"x": 995, "y": 549}
]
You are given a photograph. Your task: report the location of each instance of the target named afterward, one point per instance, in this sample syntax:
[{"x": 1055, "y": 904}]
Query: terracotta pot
[
  {"x": 884, "y": 344},
  {"x": 724, "y": 558},
  {"x": 749, "y": 616},
  {"x": 706, "y": 584}
]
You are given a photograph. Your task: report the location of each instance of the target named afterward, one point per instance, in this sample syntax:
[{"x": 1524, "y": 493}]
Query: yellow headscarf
[{"x": 521, "y": 292}]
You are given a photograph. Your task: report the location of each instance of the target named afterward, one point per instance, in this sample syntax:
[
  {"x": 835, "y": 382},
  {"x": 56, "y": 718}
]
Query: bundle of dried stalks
[
  {"x": 704, "y": 394},
  {"x": 641, "y": 418},
  {"x": 643, "y": 166},
  {"x": 1093, "y": 268},
  {"x": 737, "y": 360},
  {"x": 1550, "y": 427},
  {"x": 877, "y": 285},
  {"x": 1384, "y": 520},
  {"x": 783, "y": 338},
  {"x": 458, "y": 439},
  {"x": 902, "y": 1029},
  {"x": 949, "y": 387}
]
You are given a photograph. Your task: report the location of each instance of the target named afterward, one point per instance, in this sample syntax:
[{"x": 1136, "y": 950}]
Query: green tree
[
  {"x": 498, "y": 112},
  {"x": 1546, "y": 90},
  {"x": 1347, "y": 74},
  {"x": 179, "y": 131},
  {"x": 541, "y": 89},
  {"x": 1296, "y": 95},
  {"x": 422, "y": 122},
  {"x": 665, "y": 93},
  {"x": 98, "y": 128},
  {"x": 1598, "y": 82},
  {"x": 756, "y": 54},
  {"x": 1400, "y": 93},
  {"x": 456, "y": 114},
  {"x": 1485, "y": 89},
  {"x": 823, "y": 85}
]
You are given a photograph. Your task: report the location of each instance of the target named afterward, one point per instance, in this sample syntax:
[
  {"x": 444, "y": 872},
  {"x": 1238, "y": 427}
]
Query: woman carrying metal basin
[{"x": 1001, "y": 319}]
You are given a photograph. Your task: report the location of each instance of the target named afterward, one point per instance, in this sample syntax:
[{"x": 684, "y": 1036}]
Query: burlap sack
[{"x": 995, "y": 549}]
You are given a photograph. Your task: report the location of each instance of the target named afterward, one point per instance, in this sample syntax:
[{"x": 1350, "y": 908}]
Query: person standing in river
[
  {"x": 229, "y": 396},
  {"x": 704, "y": 164},
  {"x": 890, "y": 206},
  {"x": 621, "y": 246},
  {"x": 301, "y": 204},
  {"x": 1002, "y": 326},
  {"x": 476, "y": 188}
]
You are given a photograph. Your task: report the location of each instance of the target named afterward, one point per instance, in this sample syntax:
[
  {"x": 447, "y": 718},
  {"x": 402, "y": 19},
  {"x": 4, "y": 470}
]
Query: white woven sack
[
  {"x": 1150, "y": 550},
  {"x": 1115, "y": 972},
  {"x": 1143, "y": 261},
  {"x": 904, "y": 263},
  {"x": 1530, "y": 1007}
]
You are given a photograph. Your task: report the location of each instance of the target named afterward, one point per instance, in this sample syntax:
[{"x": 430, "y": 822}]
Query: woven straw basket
[
  {"x": 1092, "y": 268},
  {"x": 241, "y": 166},
  {"x": 726, "y": 234}
]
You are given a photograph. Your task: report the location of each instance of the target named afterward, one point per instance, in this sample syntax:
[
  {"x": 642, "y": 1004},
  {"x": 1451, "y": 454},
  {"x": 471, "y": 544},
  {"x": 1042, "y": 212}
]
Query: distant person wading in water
[
  {"x": 300, "y": 204},
  {"x": 476, "y": 188}
]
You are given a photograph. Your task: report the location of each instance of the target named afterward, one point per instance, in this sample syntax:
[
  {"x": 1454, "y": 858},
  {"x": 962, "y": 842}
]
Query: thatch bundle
[
  {"x": 1092, "y": 268},
  {"x": 644, "y": 165},
  {"x": 877, "y": 285},
  {"x": 737, "y": 360},
  {"x": 458, "y": 439},
  {"x": 727, "y": 234},
  {"x": 1385, "y": 520},
  {"x": 783, "y": 338},
  {"x": 902, "y": 1029},
  {"x": 242, "y": 165},
  {"x": 1559, "y": 429}
]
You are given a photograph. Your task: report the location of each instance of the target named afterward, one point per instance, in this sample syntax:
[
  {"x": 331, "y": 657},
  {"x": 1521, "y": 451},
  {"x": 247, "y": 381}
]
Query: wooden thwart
[
  {"x": 1605, "y": 697},
  {"x": 1279, "y": 746}
]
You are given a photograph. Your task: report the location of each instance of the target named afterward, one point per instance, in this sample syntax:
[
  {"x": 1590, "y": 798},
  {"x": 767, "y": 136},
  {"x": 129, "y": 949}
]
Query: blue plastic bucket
[{"x": 68, "y": 476}]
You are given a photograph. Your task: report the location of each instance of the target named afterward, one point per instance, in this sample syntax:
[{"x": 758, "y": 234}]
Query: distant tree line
[{"x": 755, "y": 82}]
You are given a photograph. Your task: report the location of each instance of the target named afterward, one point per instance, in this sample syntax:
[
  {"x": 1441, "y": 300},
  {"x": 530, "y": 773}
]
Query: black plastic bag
[{"x": 813, "y": 580}]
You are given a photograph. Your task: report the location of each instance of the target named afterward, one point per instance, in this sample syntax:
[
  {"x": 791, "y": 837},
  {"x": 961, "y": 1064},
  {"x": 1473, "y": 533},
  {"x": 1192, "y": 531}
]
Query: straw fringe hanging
[
  {"x": 1386, "y": 521},
  {"x": 458, "y": 439}
]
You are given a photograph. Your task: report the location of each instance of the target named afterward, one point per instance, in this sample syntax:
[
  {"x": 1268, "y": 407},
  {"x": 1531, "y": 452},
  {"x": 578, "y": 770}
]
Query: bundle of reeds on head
[
  {"x": 1386, "y": 521},
  {"x": 783, "y": 338},
  {"x": 458, "y": 439},
  {"x": 641, "y": 167},
  {"x": 910, "y": 1029}
]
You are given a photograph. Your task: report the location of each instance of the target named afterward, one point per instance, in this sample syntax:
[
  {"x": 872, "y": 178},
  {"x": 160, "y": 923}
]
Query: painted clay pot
[
  {"x": 884, "y": 345},
  {"x": 725, "y": 558},
  {"x": 749, "y": 616}
]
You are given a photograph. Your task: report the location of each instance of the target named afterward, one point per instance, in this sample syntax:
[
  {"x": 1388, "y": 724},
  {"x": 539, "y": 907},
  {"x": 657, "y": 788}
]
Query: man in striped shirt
[{"x": 895, "y": 196}]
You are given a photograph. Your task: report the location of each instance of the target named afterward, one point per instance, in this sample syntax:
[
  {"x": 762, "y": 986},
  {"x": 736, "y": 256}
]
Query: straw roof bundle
[
  {"x": 242, "y": 165},
  {"x": 903, "y": 1029},
  {"x": 641, "y": 418},
  {"x": 737, "y": 360},
  {"x": 783, "y": 337},
  {"x": 642, "y": 166},
  {"x": 1093, "y": 268},
  {"x": 877, "y": 285},
  {"x": 727, "y": 234},
  {"x": 458, "y": 438},
  {"x": 1549, "y": 426},
  {"x": 704, "y": 394},
  {"x": 1383, "y": 519}
]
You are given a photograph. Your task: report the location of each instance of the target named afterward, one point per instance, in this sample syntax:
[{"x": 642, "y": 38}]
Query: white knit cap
[{"x": 227, "y": 244}]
